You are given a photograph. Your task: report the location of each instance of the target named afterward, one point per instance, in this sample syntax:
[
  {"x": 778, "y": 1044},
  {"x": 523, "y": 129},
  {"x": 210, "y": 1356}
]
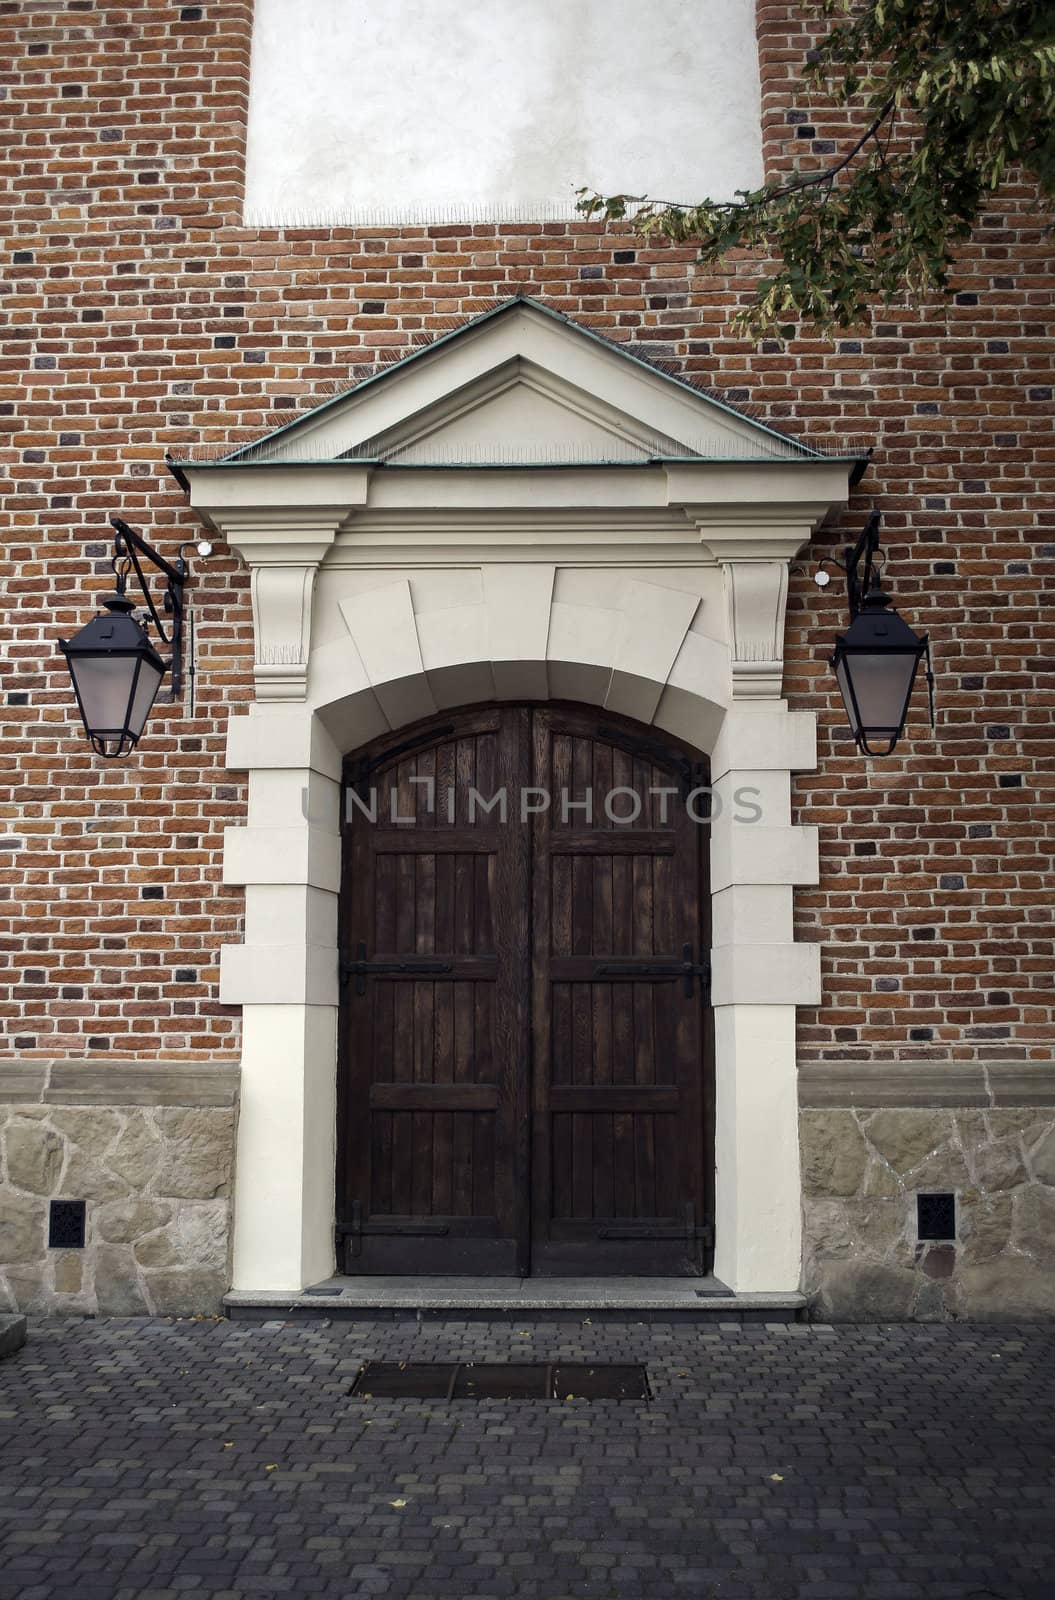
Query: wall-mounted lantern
[
  {"x": 115, "y": 668},
  {"x": 877, "y": 658}
]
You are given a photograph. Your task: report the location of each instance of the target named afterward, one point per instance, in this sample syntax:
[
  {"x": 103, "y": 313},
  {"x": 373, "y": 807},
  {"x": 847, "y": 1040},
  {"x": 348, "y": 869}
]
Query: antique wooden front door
[{"x": 524, "y": 1027}]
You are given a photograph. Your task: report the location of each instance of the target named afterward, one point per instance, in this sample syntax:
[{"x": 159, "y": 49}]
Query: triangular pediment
[
  {"x": 522, "y": 385},
  {"x": 519, "y": 413}
]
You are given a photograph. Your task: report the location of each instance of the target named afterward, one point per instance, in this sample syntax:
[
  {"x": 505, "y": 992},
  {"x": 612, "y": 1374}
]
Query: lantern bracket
[
  {"x": 129, "y": 546},
  {"x": 861, "y": 563}
]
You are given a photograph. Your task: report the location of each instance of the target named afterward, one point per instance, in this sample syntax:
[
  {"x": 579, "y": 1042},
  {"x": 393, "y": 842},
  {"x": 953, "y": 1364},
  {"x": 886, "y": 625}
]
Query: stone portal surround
[
  {"x": 150, "y": 1147},
  {"x": 874, "y": 1135}
]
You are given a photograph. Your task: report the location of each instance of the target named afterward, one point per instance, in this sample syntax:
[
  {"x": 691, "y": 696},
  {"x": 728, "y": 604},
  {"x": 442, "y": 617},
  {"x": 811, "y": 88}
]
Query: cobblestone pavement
[{"x": 160, "y": 1459}]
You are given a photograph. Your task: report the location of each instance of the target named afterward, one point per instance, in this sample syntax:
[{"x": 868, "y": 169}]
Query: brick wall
[{"x": 138, "y": 315}]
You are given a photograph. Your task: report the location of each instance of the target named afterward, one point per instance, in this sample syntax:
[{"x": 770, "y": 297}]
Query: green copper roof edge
[{"x": 814, "y": 460}]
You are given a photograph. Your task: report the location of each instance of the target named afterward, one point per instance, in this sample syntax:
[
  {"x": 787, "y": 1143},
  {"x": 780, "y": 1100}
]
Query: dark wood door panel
[
  {"x": 618, "y": 1179},
  {"x": 537, "y": 1104},
  {"x": 432, "y": 1094}
]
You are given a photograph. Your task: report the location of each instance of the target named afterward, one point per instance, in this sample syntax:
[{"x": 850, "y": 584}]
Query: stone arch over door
[
  {"x": 398, "y": 571},
  {"x": 285, "y": 975}
]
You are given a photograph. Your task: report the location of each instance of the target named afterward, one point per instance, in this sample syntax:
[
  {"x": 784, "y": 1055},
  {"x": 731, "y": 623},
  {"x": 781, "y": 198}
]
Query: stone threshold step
[{"x": 516, "y": 1300}]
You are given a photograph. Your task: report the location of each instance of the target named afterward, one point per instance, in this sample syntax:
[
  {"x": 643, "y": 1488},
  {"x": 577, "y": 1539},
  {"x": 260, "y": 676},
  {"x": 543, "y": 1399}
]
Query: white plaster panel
[
  {"x": 271, "y": 975},
  {"x": 740, "y": 796},
  {"x": 340, "y": 582},
  {"x": 406, "y": 700},
  {"x": 284, "y": 1196},
  {"x": 758, "y": 1240},
  {"x": 336, "y": 671},
  {"x": 760, "y": 737},
  {"x": 656, "y": 620},
  {"x": 752, "y": 913},
  {"x": 518, "y": 610},
  {"x": 546, "y": 429},
  {"x": 632, "y": 696},
  {"x": 353, "y": 720},
  {"x": 290, "y": 797},
  {"x": 452, "y": 636},
  {"x": 766, "y": 974},
  {"x": 694, "y": 717},
  {"x": 759, "y": 854},
  {"x": 320, "y": 1143},
  {"x": 585, "y": 633},
  {"x": 464, "y": 684},
  {"x": 384, "y": 628},
  {"x": 290, "y": 913},
  {"x": 382, "y": 625},
  {"x": 446, "y": 588},
  {"x": 511, "y": 106},
  {"x": 282, "y": 855},
  {"x": 281, "y": 736},
  {"x": 701, "y": 668}
]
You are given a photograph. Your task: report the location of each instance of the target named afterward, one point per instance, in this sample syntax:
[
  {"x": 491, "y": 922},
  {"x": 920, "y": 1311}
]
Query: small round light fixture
[{"x": 116, "y": 675}]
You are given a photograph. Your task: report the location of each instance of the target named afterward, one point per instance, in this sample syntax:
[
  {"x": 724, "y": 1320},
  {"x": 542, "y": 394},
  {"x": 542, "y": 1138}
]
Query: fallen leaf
[
  {"x": 774, "y": 1477},
  {"x": 398, "y": 1504},
  {"x": 272, "y": 1468},
  {"x": 229, "y": 1445}
]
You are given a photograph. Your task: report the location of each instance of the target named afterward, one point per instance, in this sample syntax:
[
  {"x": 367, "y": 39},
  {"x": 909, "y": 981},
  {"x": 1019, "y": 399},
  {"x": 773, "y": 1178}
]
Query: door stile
[
  {"x": 356, "y": 1027},
  {"x": 542, "y": 1154},
  {"x": 512, "y": 915}
]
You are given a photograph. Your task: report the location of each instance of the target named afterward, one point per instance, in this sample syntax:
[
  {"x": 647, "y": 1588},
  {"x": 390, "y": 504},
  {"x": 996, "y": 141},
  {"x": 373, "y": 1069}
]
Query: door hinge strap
[
  {"x": 687, "y": 969},
  {"x": 360, "y": 969}
]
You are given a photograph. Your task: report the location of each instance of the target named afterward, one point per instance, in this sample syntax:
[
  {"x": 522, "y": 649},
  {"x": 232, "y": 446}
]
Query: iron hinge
[
  {"x": 687, "y": 969},
  {"x": 360, "y": 969}
]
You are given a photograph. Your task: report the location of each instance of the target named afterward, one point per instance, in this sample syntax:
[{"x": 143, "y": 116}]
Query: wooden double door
[{"x": 524, "y": 1083}]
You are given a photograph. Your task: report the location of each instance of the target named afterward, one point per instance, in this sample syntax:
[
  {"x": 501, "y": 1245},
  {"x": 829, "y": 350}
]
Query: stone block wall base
[
  {"x": 150, "y": 1148},
  {"x": 863, "y": 1166}
]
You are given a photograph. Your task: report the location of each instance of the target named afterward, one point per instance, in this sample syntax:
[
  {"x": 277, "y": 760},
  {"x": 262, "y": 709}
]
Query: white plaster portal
[
  {"x": 386, "y": 591},
  {"x": 437, "y": 109}
]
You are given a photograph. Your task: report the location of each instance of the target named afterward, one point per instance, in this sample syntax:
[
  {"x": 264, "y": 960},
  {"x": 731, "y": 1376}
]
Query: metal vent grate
[
  {"x": 936, "y": 1216},
  {"x": 66, "y": 1222},
  {"x": 507, "y": 1380}
]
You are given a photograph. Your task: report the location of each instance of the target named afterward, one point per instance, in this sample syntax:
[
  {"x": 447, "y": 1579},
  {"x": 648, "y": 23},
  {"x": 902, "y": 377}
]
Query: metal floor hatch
[{"x": 505, "y": 1380}]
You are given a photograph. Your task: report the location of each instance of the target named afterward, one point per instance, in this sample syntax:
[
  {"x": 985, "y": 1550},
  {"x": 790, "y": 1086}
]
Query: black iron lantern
[
  {"x": 115, "y": 668},
  {"x": 116, "y": 675},
  {"x": 877, "y": 658}
]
